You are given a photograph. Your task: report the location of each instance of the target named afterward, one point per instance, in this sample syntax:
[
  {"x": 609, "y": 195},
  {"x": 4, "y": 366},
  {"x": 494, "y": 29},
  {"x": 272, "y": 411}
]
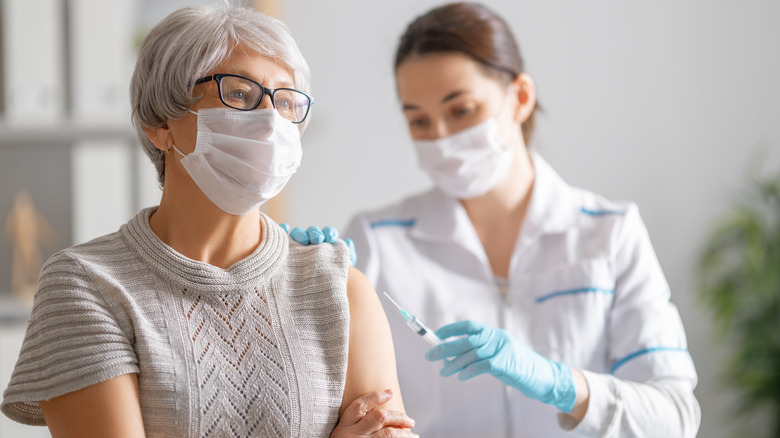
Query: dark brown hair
[{"x": 471, "y": 29}]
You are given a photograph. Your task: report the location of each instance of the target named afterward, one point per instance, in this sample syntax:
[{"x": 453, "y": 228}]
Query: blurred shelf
[{"x": 65, "y": 133}]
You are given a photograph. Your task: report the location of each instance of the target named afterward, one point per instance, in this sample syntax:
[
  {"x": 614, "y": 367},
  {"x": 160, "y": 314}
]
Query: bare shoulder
[
  {"x": 361, "y": 293},
  {"x": 371, "y": 363},
  {"x": 367, "y": 318}
]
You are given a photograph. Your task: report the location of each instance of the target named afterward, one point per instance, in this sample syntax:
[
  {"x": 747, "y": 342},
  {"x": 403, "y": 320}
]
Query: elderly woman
[{"x": 199, "y": 317}]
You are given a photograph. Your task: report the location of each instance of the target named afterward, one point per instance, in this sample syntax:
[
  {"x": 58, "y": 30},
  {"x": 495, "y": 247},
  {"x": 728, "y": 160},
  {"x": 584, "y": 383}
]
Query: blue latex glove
[
  {"x": 484, "y": 349},
  {"x": 352, "y": 251},
  {"x": 314, "y": 236}
]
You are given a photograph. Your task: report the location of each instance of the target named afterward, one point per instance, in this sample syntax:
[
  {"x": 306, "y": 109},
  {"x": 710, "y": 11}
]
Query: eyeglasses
[{"x": 244, "y": 94}]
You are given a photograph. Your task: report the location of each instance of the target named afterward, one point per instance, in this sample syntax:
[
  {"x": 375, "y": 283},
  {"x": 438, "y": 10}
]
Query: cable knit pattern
[
  {"x": 259, "y": 349},
  {"x": 240, "y": 370}
]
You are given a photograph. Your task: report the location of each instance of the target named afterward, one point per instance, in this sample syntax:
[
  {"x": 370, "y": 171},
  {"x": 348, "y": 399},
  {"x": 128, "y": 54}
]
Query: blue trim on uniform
[
  {"x": 573, "y": 291},
  {"x": 393, "y": 223},
  {"x": 631, "y": 356},
  {"x": 601, "y": 212}
]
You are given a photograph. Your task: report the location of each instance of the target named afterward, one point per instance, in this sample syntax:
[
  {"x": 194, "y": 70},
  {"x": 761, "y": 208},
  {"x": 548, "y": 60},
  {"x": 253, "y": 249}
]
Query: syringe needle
[{"x": 393, "y": 301}]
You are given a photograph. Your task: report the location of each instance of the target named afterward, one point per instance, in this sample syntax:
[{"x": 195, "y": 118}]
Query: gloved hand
[
  {"x": 314, "y": 236},
  {"x": 486, "y": 349}
]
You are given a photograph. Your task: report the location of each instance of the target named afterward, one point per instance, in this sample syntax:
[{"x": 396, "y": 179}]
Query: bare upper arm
[
  {"x": 371, "y": 364},
  {"x": 108, "y": 409}
]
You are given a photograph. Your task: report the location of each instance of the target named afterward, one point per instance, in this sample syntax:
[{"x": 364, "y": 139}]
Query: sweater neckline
[{"x": 196, "y": 275}]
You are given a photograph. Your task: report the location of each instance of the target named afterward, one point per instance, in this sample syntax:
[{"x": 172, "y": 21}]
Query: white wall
[{"x": 663, "y": 103}]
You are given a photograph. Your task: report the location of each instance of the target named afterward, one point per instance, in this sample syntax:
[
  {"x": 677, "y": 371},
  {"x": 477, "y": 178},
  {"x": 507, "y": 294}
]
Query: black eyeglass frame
[{"x": 218, "y": 79}]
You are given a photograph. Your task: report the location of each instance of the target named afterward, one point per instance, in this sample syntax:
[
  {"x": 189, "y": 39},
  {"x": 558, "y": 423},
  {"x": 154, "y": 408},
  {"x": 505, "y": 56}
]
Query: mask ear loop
[
  {"x": 502, "y": 107},
  {"x": 167, "y": 149}
]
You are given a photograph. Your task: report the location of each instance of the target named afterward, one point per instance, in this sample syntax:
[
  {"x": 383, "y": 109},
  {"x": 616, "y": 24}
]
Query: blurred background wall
[{"x": 669, "y": 104}]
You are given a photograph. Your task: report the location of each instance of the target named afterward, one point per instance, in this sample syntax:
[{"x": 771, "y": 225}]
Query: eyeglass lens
[{"x": 243, "y": 94}]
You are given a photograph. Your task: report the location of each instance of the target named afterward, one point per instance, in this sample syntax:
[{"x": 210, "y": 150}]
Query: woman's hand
[
  {"x": 482, "y": 349},
  {"x": 365, "y": 417}
]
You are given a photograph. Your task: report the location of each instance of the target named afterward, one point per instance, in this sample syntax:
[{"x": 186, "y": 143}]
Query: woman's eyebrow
[
  {"x": 453, "y": 95},
  {"x": 447, "y": 98}
]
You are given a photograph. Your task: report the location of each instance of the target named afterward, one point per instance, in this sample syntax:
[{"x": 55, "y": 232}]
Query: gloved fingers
[
  {"x": 285, "y": 227},
  {"x": 352, "y": 251},
  {"x": 299, "y": 235},
  {"x": 458, "y": 363},
  {"x": 452, "y": 348},
  {"x": 460, "y": 328},
  {"x": 331, "y": 234},
  {"x": 475, "y": 369},
  {"x": 315, "y": 235}
]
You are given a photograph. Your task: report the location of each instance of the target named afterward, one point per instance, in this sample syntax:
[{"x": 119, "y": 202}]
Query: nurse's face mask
[
  {"x": 242, "y": 158},
  {"x": 469, "y": 163}
]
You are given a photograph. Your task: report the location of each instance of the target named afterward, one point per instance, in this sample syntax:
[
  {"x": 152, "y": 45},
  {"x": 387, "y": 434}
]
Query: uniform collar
[
  {"x": 443, "y": 218},
  {"x": 554, "y": 205},
  {"x": 553, "y": 208}
]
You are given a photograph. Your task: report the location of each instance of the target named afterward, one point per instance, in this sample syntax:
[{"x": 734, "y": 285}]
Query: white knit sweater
[{"x": 259, "y": 349}]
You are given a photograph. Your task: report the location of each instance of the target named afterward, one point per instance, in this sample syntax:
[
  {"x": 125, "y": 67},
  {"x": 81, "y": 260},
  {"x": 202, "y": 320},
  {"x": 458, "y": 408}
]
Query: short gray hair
[{"x": 189, "y": 43}]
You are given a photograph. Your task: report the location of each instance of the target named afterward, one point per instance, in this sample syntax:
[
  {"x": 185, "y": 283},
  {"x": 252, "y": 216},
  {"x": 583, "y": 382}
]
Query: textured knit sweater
[{"x": 258, "y": 349}]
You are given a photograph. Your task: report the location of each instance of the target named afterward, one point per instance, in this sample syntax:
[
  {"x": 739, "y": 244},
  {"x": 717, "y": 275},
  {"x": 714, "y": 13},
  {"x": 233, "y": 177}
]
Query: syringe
[{"x": 416, "y": 325}]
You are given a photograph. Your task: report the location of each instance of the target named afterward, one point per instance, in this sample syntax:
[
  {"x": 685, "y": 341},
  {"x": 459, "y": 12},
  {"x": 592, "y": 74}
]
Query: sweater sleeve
[{"x": 73, "y": 340}]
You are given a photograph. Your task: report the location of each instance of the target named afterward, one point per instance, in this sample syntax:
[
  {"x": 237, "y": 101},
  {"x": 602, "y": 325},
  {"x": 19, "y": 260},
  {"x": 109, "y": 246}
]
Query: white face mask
[
  {"x": 467, "y": 164},
  {"x": 242, "y": 158}
]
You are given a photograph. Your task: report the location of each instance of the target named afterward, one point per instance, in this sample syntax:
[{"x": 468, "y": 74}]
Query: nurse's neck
[
  {"x": 498, "y": 215},
  {"x": 505, "y": 204}
]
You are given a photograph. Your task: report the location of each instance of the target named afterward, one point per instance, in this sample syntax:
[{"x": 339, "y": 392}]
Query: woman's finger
[
  {"x": 362, "y": 405},
  {"x": 378, "y": 419},
  {"x": 392, "y": 432}
]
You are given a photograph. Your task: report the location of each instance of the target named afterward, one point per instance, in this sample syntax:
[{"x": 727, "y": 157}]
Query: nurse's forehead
[
  {"x": 442, "y": 92},
  {"x": 438, "y": 77}
]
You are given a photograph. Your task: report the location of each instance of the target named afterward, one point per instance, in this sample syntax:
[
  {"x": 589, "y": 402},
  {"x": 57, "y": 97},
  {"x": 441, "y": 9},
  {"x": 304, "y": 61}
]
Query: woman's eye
[
  {"x": 462, "y": 111},
  {"x": 237, "y": 95},
  {"x": 283, "y": 103},
  {"x": 418, "y": 123}
]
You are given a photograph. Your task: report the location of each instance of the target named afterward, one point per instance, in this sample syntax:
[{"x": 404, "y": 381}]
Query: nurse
[{"x": 554, "y": 310}]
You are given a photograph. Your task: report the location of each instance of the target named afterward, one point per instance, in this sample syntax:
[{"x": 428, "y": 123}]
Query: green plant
[{"x": 739, "y": 277}]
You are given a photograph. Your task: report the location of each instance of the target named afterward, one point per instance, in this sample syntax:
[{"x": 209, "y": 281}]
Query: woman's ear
[
  {"x": 159, "y": 136},
  {"x": 525, "y": 90}
]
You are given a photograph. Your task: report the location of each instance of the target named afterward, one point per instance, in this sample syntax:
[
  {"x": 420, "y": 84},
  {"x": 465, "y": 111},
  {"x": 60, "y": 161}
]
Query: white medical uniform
[{"x": 584, "y": 287}]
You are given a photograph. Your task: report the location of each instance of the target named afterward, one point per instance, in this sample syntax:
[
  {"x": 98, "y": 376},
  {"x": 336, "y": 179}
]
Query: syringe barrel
[{"x": 426, "y": 333}]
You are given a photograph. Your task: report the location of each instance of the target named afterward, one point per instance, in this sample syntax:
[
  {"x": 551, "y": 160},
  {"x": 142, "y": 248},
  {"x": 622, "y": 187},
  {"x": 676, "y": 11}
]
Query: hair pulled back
[{"x": 471, "y": 29}]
